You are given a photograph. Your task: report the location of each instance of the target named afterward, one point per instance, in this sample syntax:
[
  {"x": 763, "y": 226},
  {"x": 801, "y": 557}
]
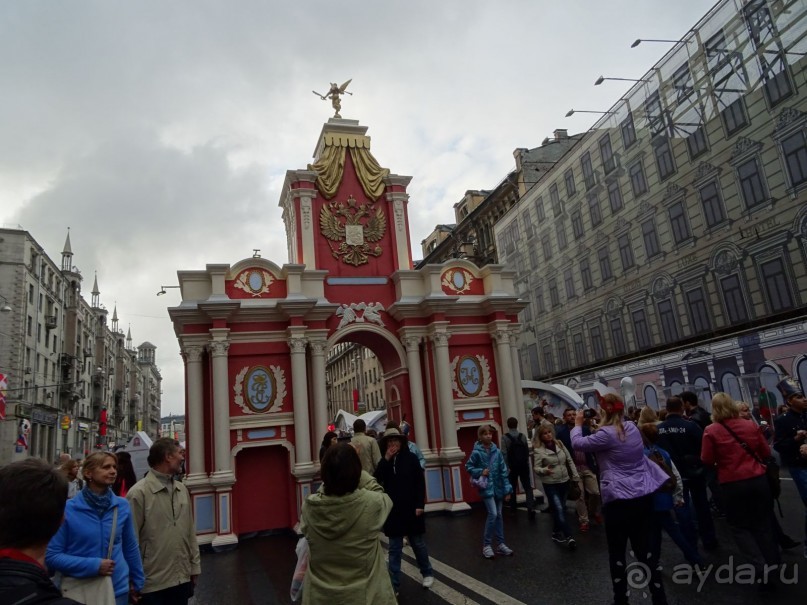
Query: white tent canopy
[
  {"x": 376, "y": 420},
  {"x": 559, "y": 396}
]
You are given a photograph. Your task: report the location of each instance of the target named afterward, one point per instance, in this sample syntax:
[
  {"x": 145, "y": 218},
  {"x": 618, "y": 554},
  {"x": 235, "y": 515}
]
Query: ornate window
[
  {"x": 650, "y": 237},
  {"x": 568, "y": 281},
  {"x": 539, "y": 208},
  {"x": 713, "y": 210},
  {"x": 751, "y": 182},
  {"x": 625, "y": 251},
  {"x": 637, "y": 179},
  {"x": 794, "y": 150},
  {"x": 776, "y": 284},
  {"x": 568, "y": 176},
  {"x": 597, "y": 345},
  {"x": 734, "y": 300},
  {"x": 577, "y": 224},
  {"x": 560, "y": 231},
  {"x": 640, "y": 329},
  {"x": 698, "y": 311},
  {"x": 628, "y": 131},
  {"x": 664, "y": 159},
  {"x": 679, "y": 222},
  {"x": 607, "y": 154},
  {"x": 618, "y": 336},
  {"x": 588, "y": 170},
  {"x": 605, "y": 263},
  {"x": 594, "y": 210},
  {"x": 585, "y": 275},
  {"x": 614, "y": 196},
  {"x": 669, "y": 327}
]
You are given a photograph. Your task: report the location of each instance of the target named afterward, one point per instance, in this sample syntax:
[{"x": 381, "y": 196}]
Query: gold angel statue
[{"x": 333, "y": 94}]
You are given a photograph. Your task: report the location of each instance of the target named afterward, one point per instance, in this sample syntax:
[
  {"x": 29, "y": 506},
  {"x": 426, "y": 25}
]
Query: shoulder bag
[
  {"x": 481, "y": 482},
  {"x": 769, "y": 464},
  {"x": 97, "y": 590},
  {"x": 573, "y": 491}
]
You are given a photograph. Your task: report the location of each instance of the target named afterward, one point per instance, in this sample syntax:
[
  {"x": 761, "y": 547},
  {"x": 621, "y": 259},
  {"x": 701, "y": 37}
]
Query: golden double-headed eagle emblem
[{"x": 354, "y": 226}]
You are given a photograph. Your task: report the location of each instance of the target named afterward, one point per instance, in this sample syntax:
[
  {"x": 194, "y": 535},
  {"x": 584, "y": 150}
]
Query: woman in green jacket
[{"x": 341, "y": 523}]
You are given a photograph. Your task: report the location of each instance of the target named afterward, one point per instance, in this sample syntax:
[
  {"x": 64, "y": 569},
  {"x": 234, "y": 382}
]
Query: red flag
[
  {"x": 355, "y": 400},
  {"x": 3, "y": 387},
  {"x": 102, "y": 423}
]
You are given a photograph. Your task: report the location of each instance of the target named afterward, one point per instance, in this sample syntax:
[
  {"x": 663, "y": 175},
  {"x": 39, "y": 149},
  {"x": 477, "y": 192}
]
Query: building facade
[
  {"x": 670, "y": 244},
  {"x": 476, "y": 214},
  {"x": 75, "y": 382},
  {"x": 354, "y": 380}
]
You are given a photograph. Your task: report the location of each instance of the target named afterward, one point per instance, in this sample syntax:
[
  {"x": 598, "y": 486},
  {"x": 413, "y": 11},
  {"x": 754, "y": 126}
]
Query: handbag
[
  {"x": 573, "y": 491},
  {"x": 97, "y": 590},
  {"x": 303, "y": 554},
  {"x": 769, "y": 464},
  {"x": 481, "y": 482}
]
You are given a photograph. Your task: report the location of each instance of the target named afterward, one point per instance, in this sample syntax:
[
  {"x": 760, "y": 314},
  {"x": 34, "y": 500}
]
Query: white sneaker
[
  {"x": 487, "y": 552},
  {"x": 428, "y": 581},
  {"x": 503, "y": 549}
]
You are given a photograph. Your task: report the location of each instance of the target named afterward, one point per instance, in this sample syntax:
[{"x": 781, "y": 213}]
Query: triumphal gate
[{"x": 255, "y": 336}]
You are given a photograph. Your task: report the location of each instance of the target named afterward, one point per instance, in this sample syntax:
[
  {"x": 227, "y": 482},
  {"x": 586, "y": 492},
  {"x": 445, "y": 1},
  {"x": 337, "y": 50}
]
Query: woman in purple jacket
[{"x": 627, "y": 482}]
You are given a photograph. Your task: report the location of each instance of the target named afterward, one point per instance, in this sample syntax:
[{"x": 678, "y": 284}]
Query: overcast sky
[{"x": 160, "y": 131}]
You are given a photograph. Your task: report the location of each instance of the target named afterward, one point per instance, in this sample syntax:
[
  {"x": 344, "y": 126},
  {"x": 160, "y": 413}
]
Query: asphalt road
[{"x": 259, "y": 571}]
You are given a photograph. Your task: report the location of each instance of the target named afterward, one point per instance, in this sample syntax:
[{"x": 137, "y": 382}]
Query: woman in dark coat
[{"x": 400, "y": 474}]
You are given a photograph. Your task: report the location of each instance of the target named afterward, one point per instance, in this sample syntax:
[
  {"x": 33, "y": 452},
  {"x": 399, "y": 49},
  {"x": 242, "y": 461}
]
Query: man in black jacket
[
  {"x": 400, "y": 474},
  {"x": 682, "y": 438},
  {"x": 31, "y": 511},
  {"x": 516, "y": 452},
  {"x": 791, "y": 439}
]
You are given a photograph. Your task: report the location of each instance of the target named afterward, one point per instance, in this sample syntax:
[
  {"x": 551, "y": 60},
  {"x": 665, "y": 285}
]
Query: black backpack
[
  {"x": 518, "y": 452},
  {"x": 670, "y": 484}
]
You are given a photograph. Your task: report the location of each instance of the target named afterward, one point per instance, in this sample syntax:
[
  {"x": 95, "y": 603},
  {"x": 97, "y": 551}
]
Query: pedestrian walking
[
  {"x": 627, "y": 480},
  {"x": 366, "y": 446},
  {"x": 165, "y": 529},
  {"x": 402, "y": 478},
  {"x": 392, "y": 424},
  {"x": 555, "y": 466},
  {"x": 516, "y": 451},
  {"x": 487, "y": 461},
  {"x": 588, "y": 504}
]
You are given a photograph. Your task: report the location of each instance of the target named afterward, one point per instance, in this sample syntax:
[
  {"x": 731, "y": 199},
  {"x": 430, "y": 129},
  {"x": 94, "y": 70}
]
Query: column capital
[
  {"x": 513, "y": 338},
  {"x": 318, "y": 347},
  {"x": 500, "y": 335},
  {"x": 192, "y": 353},
  {"x": 440, "y": 339},
  {"x": 219, "y": 348},
  {"x": 411, "y": 342},
  {"x": 297, "y": 344}
]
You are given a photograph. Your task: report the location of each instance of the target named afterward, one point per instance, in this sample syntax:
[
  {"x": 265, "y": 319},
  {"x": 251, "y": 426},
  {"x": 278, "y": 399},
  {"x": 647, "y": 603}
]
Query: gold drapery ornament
[{"x": 330, "y": 166}]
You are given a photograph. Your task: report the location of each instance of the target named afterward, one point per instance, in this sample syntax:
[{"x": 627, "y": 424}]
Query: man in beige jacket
[
  {"x": 366, "y": 446},
  {"x": 166, "y": 535}
]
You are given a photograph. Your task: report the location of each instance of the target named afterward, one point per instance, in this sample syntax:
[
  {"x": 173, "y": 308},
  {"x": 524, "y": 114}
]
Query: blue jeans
[
  {"x": 664, "y": 520},
  {"x": 697, "y": 502},
  {"x": 494, "y": 522},
  {"x": 122, "y": 599},
  {"x": 556, "y": 497},
  {"x": 418, "y": 545},
  {"x": 799, "y": 475}
]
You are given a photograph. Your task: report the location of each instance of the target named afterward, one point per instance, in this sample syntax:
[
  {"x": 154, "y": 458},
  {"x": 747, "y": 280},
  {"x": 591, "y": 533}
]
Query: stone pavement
[{"x": 541, "y": 572}]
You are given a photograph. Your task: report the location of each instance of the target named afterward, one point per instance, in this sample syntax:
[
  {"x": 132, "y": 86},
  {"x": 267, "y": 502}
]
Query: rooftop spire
[{"x": 68, "y": 250}]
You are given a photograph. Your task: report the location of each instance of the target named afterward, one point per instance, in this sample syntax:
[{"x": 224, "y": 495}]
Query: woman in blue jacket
[
  {"x": 79, "y": 549},
  {"x": 486, "y": 461}
]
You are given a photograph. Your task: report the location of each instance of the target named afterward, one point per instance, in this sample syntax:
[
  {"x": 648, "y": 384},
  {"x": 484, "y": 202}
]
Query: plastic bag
[
  {"x": 296, "y": 590},
  {"x": 480, "y": 482}
]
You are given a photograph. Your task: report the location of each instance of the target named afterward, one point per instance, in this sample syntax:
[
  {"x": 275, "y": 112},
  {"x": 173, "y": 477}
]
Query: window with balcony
[
  {"x": 734, "y": 300},
  {"x": 560, "y": 231},
  {"x": 713, "y": 210},
  {"x": 664, "y": 159},
  {"x": 637, "y": 179},
  {"x": 650, "y": 236},
  {"x": 752, "y": 186},
  {"x": 605, "y": 263},
  {"x": 594, "y": 210},
  {"x": 777, "y": 285},
  {"x": 607, "y": 154},
  {"x": 618, "y": 336},
  {"x": 568, "y": 177},
  {"x": 679, "y": 222},
  {"x": 794, "y": 150},
  {"x": 615, "y": 196},
  {"x": 625, "y": 251},
  {"x": 577, "y": 224},
  {"x": 568, "y": 281},
  {"x": 640, "y": 328},
  {"x": 669, "y": 327},
  {"x": 585, "y": 275},
  {"x": 628, "y": 131},
  {"x": 588, "y": 170},
  {"x": 698, "y": 311}
]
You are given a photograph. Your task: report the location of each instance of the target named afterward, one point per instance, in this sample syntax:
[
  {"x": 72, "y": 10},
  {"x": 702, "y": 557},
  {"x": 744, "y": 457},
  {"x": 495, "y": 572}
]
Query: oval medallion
[
  {"x": 469, "y": 376},
  {"x": 458, "y": 279},
  {"x": 255, "y": 281},
  {"x": 261, "y": 389}
]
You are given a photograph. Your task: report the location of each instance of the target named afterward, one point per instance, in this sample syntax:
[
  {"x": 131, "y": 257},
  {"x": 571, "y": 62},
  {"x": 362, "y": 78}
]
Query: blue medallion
[{"x": 261, "y": 389}]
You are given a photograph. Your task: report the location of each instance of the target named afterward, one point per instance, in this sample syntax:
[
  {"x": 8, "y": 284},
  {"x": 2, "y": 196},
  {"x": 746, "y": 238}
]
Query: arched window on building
[
  {"x": 731, "y": 386},
  {"x": 676, "y": 388},
  {"x": 650, "y": 396},
  {"x": 704, "y": 391},
  {"x": 768, "y": 378},
  {"x": 801, "y": 372}
]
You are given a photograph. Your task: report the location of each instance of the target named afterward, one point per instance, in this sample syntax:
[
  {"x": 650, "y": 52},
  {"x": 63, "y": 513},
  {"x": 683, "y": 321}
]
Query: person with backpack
[
  {"x": 516, "y": 453},
  {"x": 667, "y": 499}
]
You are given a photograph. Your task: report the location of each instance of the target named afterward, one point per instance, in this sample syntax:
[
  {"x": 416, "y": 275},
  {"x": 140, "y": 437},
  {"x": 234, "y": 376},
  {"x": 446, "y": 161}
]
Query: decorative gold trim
[
  {"x": 353, "y": 226},
  {"x": 483, "y": 370},
  {"x": 448, "y": 280},
  {"x": 278, "y": 389},
  {"x": 242, "y": 281}
]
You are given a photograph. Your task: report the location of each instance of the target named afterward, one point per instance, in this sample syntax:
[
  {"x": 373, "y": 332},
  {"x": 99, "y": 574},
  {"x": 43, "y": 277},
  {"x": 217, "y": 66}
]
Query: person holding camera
[{"x": 627, "y": 483}]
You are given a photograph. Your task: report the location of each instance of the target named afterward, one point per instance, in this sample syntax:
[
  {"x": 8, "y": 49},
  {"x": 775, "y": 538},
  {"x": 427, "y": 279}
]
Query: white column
[
  {"x": 504, "y": 375},
  {"x": 516, "y": 359},
  {"x": 195, "y": 422},
  {"x": 221, "y": 405},
  {"x": 443, "y": 373},
  {"x": 320, "y": 394},
  {"x": 412, "y": 344},
  {"x": 299, "y": 381}
]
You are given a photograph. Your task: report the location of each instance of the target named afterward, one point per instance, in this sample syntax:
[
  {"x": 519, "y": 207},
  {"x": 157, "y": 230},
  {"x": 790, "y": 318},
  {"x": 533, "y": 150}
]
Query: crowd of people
[{"x": 89, "y": 532}]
